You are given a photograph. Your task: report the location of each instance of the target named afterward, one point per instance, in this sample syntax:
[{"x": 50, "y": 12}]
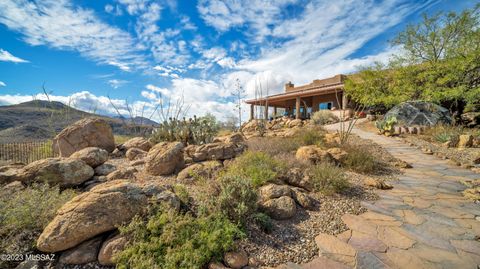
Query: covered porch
[{"x": 298, "y": 104}]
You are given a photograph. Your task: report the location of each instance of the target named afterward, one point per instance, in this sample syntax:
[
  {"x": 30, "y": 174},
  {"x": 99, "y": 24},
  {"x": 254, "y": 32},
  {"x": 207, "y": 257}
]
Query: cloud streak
[{"x": 6, "y": 56}]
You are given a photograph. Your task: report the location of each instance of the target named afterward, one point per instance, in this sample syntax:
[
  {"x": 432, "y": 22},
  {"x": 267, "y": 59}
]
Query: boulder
[
  {"x": 313, "y": 154},
  {"x": 92, "y": 156},
  {"x": 102, "y": 209},
  {"x": 272, "y": 191},
  {"x": 235, "y": 138},
  {"x": 104, "y": 169},
  {"x": 139, "y": 143},
  {"x": 303, "y": 199},
  {"x": 113, "y": 245},
  {"x": 470, "y": 119},
  {"x": 295, "y": 123},
  {"x": 297, "y": 178},
  {"x": 84, "y": 253},
  {"x": 419, "y": 113},
  {"x": 123, "y": 173},
  {"x": 164, "y": 158},
  {"x": 203, "y": 169},
  {"x": 280, "y": 208},
  {"x": 377, "y": 183},
  {"x": 135, "y": 154},
  {"x": 90, "y": 132},
  {"x": 465, "y": 141},
  {"x": 216, "y": 265},
  {"x": 216, "y": 151},
  {"x": 236, "y": 259},
  {"x": 9, "y": 173},
  {"x": 61, "y": 171},
  {"x": 12, "y": 187},
  {"x": 338, "y": 154},
  {"x": 332, "y": 138}
]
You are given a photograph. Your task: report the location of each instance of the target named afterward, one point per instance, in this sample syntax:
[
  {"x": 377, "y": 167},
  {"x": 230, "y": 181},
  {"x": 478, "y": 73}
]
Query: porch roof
[{"x": 304, "y": 92}]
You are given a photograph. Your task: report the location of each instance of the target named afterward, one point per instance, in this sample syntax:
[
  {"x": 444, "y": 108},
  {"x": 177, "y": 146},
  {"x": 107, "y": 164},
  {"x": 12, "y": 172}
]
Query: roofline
[{"x": 301, "y": 93}]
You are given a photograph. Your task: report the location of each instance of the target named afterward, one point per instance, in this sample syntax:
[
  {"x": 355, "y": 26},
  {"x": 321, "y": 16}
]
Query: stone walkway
[{"x": 423, "y": 222}]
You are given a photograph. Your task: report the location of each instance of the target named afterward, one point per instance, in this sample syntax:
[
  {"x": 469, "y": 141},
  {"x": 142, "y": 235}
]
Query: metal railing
[{"x": 26, "y": 152}]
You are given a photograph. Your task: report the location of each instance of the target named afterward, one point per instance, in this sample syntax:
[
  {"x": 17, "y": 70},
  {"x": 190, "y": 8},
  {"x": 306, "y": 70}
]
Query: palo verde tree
[{"x": 439, "y": 62}]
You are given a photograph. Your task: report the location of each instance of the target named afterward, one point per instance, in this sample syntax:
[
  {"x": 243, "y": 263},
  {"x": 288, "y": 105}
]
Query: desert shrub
[
  {"x": 120, "y": 139},
  {"x": 237, "y": 199},
  {"x": 360, "y": 160},
  {"x": 257, "y": 166},
  {"x": 310, "y": 137},
  {"x": 169, "y": 240},
  {"x": 273, "y": 145},
  {"x": 182, "y": 193},
  {"x": 263, "y": 221},
  {"x": 328, "y": 179},
  {"x": 199, "y": 130},
  {"x": 25, "y": 213},
  {"x": 323, "y": 117}
]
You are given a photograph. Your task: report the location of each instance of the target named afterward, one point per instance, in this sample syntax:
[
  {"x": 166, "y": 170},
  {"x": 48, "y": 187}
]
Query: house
[{"x": 302, "y": 101}]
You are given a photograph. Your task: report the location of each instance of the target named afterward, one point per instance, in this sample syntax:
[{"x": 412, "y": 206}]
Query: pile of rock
[
  {"x": 84, "y": 229},
  {"x": 283, "y": 127}
]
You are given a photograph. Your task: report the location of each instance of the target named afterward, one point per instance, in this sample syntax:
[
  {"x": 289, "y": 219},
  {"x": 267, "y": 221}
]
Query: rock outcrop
[
  {"x": 214, "y": 151},
  {"x": 165, "y": 158},
  {"x": 113, "y": 245},
  {"x": 313, "y": 154},
  {"x": 90, "y": 132},
  {"x": 84, "y": 253},
  {"x": 61, "y": 171},
  {"x": 102, "y": 209},
  {"x": 203, "y": 169},
  {"x": 135, "y": 154},
  {"x": 92, "y": 156},
  {"x": 139, "y": 143},
  {"x": 419, "y": 113}
]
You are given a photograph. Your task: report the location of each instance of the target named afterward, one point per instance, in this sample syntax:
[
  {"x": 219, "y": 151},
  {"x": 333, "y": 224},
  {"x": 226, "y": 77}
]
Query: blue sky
[{"x": 137, "y": 50}]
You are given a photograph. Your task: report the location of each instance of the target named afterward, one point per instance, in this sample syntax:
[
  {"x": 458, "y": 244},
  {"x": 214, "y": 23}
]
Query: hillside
[{"x": 39, "y": 120}]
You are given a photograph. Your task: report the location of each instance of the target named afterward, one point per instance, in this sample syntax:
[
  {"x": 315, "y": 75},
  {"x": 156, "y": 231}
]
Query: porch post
[
  {"x": 266, "y": 111},
  {"x": 252, "y": 109},
  {"x": 297, "y": 107},
  {"x": 274, "y": 111},
  {"x": 344, "y": 101}
]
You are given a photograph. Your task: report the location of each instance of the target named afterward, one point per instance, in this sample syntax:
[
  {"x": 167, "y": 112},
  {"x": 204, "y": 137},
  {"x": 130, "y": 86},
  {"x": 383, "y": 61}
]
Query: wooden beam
[
  {"x": 252, "y": 110},
  {"x": 266, "y": 111},
  {"x": 274, "y": 111}
]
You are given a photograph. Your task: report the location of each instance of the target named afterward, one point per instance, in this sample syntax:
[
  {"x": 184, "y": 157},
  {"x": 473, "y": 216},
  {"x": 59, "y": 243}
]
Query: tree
[{"x": 239, "y": 94}]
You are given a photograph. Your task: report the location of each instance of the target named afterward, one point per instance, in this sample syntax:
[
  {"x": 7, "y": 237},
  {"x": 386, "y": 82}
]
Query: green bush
[
  {"x": 310, "y": 137},
  {"x": 444, "y": 133},
  {"x": 259, "y": 167},
  {"x": 237, "y": 199},
  {"x": 25, "y": 213},
  {"x": 328, "y": 179},
  {"x": 273, "y": 145},
  {"x": 263, "y": 221},
  {"x": 170, "y": 240},
  {"x": 323, "y": 117},
  {"x": 360, "y": 160}
]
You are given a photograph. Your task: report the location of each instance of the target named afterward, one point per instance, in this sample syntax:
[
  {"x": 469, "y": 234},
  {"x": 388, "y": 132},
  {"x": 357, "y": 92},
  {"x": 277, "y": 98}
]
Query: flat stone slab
[
  {"x": 365, "y": 242},
  {"x": 367, "y": 260},
  {"x": 333, "y": 248},
  {"x": 395, "y": 237}
]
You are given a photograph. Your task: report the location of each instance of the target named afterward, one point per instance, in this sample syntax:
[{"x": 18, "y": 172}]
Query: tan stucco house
[{"x": 302, "y": 101}]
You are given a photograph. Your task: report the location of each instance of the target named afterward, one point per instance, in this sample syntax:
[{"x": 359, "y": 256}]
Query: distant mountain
[
  {"x": 40, "y": 120},
  {"x": 138, "y": 120}
]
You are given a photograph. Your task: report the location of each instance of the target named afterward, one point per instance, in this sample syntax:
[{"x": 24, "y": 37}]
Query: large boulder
[
  {"x": 280, "y": 208},
  {"x": 102, "y": 209},
  {"x": 203, "y": 169},
  {"x": 92, "y": 156},
  {"x": 113, "y": 245},
  {"x": 139, "y": 143},
  {"x": 9, "y": 173},
  {"x": 122, "y": 173},
  {"x": 164, "y": 158},
  {"x": 104, "y": 169},
  {"x": 471, "y": 119},
  {"x": 272, "y": 191},
  {"x": 232, "y": 138},
  {"x": 215, "y": 151},
  {"x": 90, "y": 132},
  {"x": 61, "y": 171},
  {"x": 135, "y": 154},
  {"x": 419, "y": 113},
  {"x": 84, "y": 253},
  {"x": 313, "y": 154}
]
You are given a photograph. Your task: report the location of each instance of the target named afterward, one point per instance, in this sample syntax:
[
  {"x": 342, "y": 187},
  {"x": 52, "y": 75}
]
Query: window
[{"x": 325, "y": 106}]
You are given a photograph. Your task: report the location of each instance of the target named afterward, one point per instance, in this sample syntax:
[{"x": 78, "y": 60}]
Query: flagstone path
[{"x": 423, "y": 222}]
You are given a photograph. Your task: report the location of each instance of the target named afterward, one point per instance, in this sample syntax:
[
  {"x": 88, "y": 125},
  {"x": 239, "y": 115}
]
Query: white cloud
[
  {"x": 117, "y": 83},
  {"x": 61, "y": 25},
  {"x": 321, "y": 40},
  {"x": 6, "y": 56},
  {"x": 2, "y": 84},
  {"x": 114, "y": 10},
  {"x": 258, "y": 14}
]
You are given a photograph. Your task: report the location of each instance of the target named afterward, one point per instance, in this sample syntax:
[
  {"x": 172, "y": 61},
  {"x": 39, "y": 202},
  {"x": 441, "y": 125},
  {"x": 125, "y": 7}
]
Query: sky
[{"x": 138, "y": 53}]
